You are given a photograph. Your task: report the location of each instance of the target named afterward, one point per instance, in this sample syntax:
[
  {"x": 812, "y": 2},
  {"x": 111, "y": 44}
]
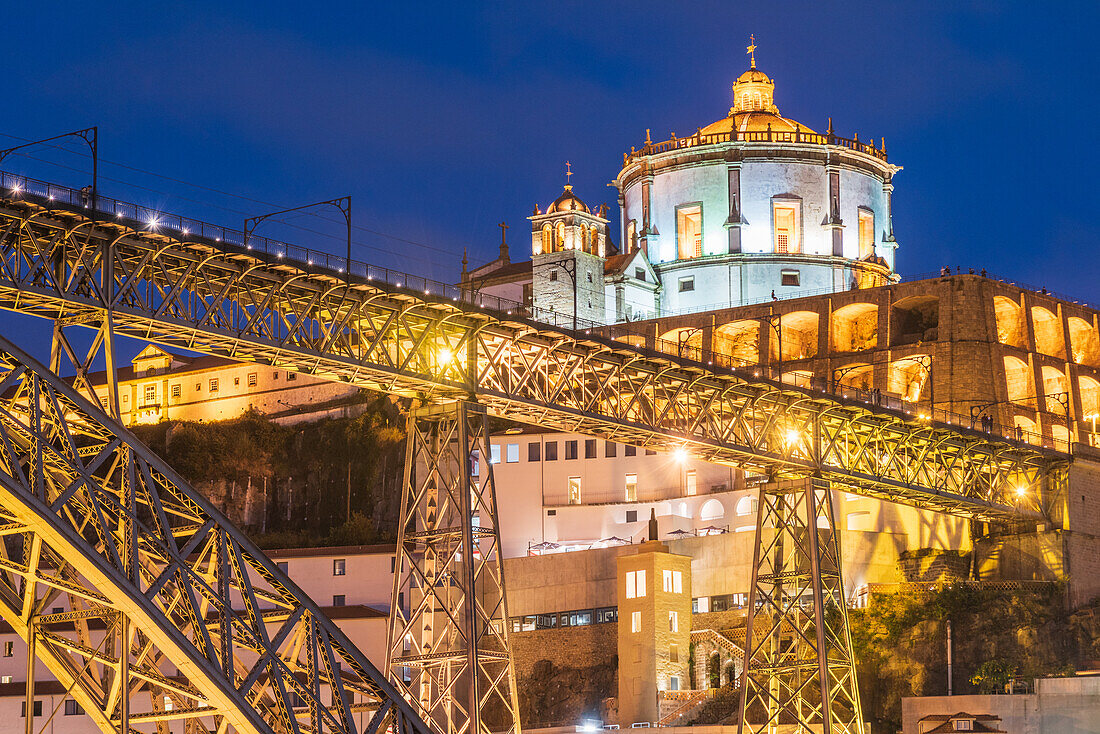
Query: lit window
[
  {"x": 786, "y": 216},
  {"x": 5, "y": 679},
  {"x": 9, "y": 649},
  {"x": 631, "y": 487},
  {"x": 547, "y": 237},
  {"x": 635, "y": 621},
  {"x": 176, "y": 391},
  {"x": 494, "y": 453},
  {"x": 512, "y": 454},
  {"x": 252, "y": 379},
  {"x": 635, "y": 584},
  {"x": 150, "y": 394},
  {"x": 560, "y": 243},
  {"x": 963, "y": 725},
  {"x": 790, "y": 277},
  {"x": 866, "y": 233},
  {"x": 673, "y": 621},
  {"x": 689, "y": 231},
  {"x": 214, "y": 385},
  {"x": 674, "y": 581},
  {"x": 631, "y": 236},
  {"x": 339, "y": 566},
  {"x": 690, "y": 483},
  {"x": 574, "y": 490},
  {"x": 687, "y": 284}
]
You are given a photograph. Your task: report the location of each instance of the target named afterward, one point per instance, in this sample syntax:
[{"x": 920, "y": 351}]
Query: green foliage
[
  {"x": 900, "y": 641},
  {"x": 993, "y": 675},
  {"x": 329, "y": 482}
]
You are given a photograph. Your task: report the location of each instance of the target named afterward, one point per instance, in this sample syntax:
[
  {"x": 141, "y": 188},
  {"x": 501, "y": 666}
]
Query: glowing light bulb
[
  {"x": 681, "y": 455},
  {"x": 445, "y": 355},
  {"x": 792, "y": 437}
]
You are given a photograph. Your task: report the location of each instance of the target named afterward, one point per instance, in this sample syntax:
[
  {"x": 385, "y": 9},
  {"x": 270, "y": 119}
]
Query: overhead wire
[{"x": 242, "y": 197}]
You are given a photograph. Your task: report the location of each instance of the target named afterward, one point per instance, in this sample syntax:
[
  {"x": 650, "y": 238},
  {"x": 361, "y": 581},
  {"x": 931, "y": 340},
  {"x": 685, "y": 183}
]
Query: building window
[
  {"x": 150, "y": 394},
  {"x": 590, "y": 448},
  {"x": 574, "y": 490},
  {"x": 687, "y": 284},
  {"x": 786, "y": 215},
  {"x": 635, "y": 623},
  {"x": 37, "y": 709},
  {"x": 674, "y": 581},
  {"x": 790, "y": 277},
  {"x": 689, "y": 231},
  {"x": 291, "y": 376},
  {"x": 252, "y": 379},
  {"x": 214, "y": 385},
  {"x": 609, "y": 449},
  {"x": 589, "y": 274},
  {"x": 553, "y": 276},
  {"x": 673, "y": 680},
  {"x": 673, "y": 621},
  {"x": 511, "y": 455},
  {"x": 631, "y": 236},
  {"x": 283, "y": 566},
  {"x": 650, "y": 452},
  {"x": 5, "y": 679},
  {"x": 635, "y": 584},
  {"x": 534, "y": 451},
  {"x": 632, "y": 516},
  {"x": 559, "y": 245},
  {"x": 339, "y": 566},
  {"x": 338, "y": 600},
  {"x": 630, "y": 450},
  {"x": 475, "y": 461},
  {"x": 494, "y": 453},
  {"x": 236, "y": 381},
  {"x": 866, "y": 233},
  {"x": 690, "y": 481},
  {"x": 570, "y": 450},
  {"x": 551, "y": 450},
  {"x": 176, "y": 392},
  {"x": 546, "y": 245},
  {"x": 674, "y": 657},
  {"x": 963, "y": 725},
  {"x": 274, "y": 375},
  {"x": 198, "y": 387},
  {"x": 631, "y": 487},
  {"x": 9, "y": 649},
  {"x": 639, "y": 274},
  {"x": 72, "y": 708}
]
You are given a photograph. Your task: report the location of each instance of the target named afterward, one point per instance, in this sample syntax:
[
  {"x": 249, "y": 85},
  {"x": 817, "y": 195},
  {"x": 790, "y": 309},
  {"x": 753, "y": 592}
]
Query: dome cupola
[{"x": 567, "y": 202}]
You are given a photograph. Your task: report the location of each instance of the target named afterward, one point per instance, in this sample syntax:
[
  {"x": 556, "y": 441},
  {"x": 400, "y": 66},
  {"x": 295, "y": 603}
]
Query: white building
[{"x": 750, "y": 208}]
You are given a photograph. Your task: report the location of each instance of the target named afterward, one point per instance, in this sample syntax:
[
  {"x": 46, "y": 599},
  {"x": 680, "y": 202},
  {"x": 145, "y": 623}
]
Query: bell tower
[{"x": 569, "y": 245}]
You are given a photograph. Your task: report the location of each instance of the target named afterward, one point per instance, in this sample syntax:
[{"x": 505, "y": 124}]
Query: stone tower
[
  {"x": 568, "y": 245},
  {"x": 654, "y": 595}
]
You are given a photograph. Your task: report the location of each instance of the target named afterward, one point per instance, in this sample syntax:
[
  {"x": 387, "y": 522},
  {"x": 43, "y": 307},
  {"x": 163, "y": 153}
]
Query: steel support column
[
  {"x": 800, "y": 669},
  {"x": 448, "y": 640}
]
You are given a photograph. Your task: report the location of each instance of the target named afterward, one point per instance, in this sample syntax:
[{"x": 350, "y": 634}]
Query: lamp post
[
  {"x": 343, "y": 204},
  {"x": 775, "y": 321},
  {"x": 88, "y": 135},
  {"x": 1092, "y": 436}
]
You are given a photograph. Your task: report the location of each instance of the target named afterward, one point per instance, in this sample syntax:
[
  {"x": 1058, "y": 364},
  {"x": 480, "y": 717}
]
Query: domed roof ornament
[{"x": 751, "y": 50}]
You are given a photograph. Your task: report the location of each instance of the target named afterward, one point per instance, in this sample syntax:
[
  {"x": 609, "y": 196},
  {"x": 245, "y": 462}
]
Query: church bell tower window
[
  {"x": 866, "y": 233},
  {"x": 689, "y": 231},
  {"x": 547, "y": 238}
]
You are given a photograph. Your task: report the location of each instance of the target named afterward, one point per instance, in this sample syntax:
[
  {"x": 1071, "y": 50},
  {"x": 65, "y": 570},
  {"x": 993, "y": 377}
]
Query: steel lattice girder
[
  {"x": 451, "y": 634},
  {"x": 164, "y": 596},
  {"x": 799, "y": 664},
  {"x": 226, "y": 301}
]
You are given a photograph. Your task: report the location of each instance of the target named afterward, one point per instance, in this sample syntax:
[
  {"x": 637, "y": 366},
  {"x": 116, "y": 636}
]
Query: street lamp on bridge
[{"x": 91, "y": 137}]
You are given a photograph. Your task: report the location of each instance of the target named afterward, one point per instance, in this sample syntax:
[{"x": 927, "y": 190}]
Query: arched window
[
  {"x": 560, "y": 244},
  {"x": 584, "y": 238},
  {"x": 632, "y": 236},
  {"x": 711, "y": 510},
  {"x": 547, "y": 238}
]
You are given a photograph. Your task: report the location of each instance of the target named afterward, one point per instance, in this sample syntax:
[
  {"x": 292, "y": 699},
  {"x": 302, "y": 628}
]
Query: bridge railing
[{"x": 153, "y": 220}]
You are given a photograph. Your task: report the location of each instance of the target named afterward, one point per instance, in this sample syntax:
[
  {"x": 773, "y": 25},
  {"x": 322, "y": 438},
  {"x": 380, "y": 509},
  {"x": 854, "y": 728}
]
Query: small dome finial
[
  {"x": 568, "y": 173},
  {"x": 751, "y": 50}
]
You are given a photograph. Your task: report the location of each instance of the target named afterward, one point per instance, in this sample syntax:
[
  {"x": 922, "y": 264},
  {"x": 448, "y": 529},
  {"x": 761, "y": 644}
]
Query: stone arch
[
  {"x": 915, "y": 319},
  {"x": 1084, "y": 343},
  {"x": 1089, "y": 390},
  {"x": 1010, "y": 322},
  {"x": 1048, "y": 332},
  {"x": 729, "y": 672},
  {"x": 1018, "y": 381},
  {"x": 1026, "y": 425},
  {"x": 714, "y": 670},
  {"x": 799, "y": 336},
  {"x": 908, "y": 377},
  {"x": 712, "y": 509},
  {"x": 738, "y": 339},
  {"x": 855, "y": 327},
  {"x": 547, "y": 239},
  {"x": 798, "y": 378},
  {"x": 860, "y": 376},
  {"x": 686, "y": 341},
  {"x": 746, "y": 506},
  {"x": 1054, "y": 381},
  {"x": 1059, "y": 433}
]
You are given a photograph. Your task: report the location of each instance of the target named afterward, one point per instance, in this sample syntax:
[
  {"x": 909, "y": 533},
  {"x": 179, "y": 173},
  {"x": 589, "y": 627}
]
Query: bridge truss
[
  {"x": 144, "y": 601},
  {"x": 130, "y": 275}
]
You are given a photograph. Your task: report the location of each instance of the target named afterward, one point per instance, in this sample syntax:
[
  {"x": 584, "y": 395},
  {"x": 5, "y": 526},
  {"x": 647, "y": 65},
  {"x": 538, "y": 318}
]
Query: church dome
[
  {"x": 756, "y": 122},
  {"x": 754, "y": 108},
  {"x": 567, "y": 202}
]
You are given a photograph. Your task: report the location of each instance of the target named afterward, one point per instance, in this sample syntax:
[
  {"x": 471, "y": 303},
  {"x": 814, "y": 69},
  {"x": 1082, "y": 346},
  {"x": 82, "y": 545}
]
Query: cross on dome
[
  {"x": 751, "y": 50},
  {"x": 568, "y": 173}
]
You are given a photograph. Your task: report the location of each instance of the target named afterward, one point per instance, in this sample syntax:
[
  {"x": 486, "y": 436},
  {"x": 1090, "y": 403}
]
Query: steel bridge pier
[{"x": 448, "y": 638}]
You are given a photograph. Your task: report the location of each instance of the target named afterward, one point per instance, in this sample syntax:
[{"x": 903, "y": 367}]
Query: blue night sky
[{"x": 441, "y": 120}]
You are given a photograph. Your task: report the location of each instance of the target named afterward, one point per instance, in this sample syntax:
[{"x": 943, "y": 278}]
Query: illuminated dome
[
  {"x": 567, "y": 202},
  {"x": 754, "y": 108}
]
